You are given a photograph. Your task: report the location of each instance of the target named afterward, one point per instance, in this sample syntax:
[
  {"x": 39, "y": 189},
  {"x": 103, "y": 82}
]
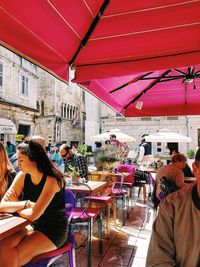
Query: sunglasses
[{"x": 64, "y": 155}]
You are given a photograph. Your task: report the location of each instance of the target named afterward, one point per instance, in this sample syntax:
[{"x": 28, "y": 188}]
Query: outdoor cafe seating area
[
  {"x": 142, "y": 59},
  {"x": 110, "y": 219}
]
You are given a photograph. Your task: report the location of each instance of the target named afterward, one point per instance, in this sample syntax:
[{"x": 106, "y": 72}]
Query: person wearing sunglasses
[{"x": 74, "y": 159}]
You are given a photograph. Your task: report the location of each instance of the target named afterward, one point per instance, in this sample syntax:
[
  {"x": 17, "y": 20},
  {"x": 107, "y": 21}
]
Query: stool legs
[
  {"x": 108, "y": 219},
  {"x": 143, "y": 186},
  {"x": 114, "y": 211}
]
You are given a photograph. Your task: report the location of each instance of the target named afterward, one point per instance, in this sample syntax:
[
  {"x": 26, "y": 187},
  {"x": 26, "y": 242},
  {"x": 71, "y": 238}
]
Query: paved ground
[{"x": 125, "y": 246}]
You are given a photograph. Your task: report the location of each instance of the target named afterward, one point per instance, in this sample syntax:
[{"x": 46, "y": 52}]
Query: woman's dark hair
[
  {"x": 36, "y": 153},
  {"x": 197, "y": 156}
]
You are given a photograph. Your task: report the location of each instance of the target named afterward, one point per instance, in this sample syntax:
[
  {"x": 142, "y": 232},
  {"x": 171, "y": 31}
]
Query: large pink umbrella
[
  {"x": 103, "y": 39},
  {"x": 164, "y": 92}
]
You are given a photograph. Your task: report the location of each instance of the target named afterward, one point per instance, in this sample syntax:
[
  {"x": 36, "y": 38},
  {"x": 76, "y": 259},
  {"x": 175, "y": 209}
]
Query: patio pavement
[{"x": 125, "y": 246}]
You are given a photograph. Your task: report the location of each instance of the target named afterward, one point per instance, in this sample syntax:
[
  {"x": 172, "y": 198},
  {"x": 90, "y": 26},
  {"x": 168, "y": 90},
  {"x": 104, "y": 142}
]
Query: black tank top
[
  {"x": 53, "y": 222},
  {"x": 32, "y": 192}
]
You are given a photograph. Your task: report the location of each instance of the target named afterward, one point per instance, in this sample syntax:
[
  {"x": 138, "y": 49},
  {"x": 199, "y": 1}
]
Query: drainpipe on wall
[{"x": 187, "y": 127}]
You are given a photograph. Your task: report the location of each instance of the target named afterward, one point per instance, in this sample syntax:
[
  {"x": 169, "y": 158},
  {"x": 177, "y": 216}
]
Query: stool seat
[
  {"x": 65, "y": 248},
  {"x": 106, "y": 199}
]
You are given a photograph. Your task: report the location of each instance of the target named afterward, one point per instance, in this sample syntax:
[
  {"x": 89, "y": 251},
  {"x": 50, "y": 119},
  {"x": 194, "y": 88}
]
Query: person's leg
[
  {"x": 34, "y": 244},
  {"x": 8, "y": 256},
  {"x": 23, "y": 246}
]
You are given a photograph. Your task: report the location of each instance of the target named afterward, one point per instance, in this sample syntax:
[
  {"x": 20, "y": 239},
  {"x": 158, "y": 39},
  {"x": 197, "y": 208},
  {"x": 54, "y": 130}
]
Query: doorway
[
  {"x": 24, "y": 129},
  {"x": 172, "y": 147}
]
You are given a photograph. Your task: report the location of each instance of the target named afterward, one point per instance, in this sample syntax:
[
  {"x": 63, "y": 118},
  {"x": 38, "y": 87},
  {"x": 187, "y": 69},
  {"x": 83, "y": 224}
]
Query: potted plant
[
  {"x": 74, "y": 173},
  {"x": 191, "y": 153},
  {"x": 108, "y": 156}
]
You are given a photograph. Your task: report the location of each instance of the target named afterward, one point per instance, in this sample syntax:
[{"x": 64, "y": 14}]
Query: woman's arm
[
  {"x": 11, "y": 207},
  {"x": 37, "y": 209},
  {"x": 15, "y": 189},
  {"x": 10, "y": 201}
]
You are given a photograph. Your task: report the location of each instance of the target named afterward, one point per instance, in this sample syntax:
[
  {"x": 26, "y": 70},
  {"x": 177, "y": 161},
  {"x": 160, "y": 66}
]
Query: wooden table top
[
  {"x": 10, "y": 224},
  {"x": 107, "y": 173},
  {"x": 94, "y": 185}
]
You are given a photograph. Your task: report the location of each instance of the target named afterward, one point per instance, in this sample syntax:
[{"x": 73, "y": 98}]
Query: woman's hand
[{"x": 11, "y": 195}]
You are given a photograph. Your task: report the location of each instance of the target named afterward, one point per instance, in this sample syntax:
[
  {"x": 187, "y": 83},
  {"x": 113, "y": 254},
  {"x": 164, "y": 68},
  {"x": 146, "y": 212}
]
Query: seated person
[
  {"x": 176, "y": 228},
  {"x": 173, "y": 172},
  {"x": 186, "y": 170},
  {"x": 43, "y": 186},
  {"x": 76, "y": 160}
]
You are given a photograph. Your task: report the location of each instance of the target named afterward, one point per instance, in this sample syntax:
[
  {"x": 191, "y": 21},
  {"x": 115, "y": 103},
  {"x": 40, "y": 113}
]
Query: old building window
[
  {"x": 174, "y": 118},
  {"x": 68, "y": 111},
  {"x": 42, "y": 108},
  {"x": 71, "y": 113},
  {"x": 38, "y": 106},
  {"x": 1, "y": 75},
  {"x": 145, "y": 119},
  {"x": 24, "y": 85},
  {"x": 74, "y": 113},
  {"x": 65, "y": 111},
  {"x": 62, "y": 110}
]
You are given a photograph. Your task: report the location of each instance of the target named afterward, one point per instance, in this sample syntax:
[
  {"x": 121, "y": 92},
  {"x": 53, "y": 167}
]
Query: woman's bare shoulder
[
  {"x": 20, "y": 176},
  {"x": 52, "y": 181}
]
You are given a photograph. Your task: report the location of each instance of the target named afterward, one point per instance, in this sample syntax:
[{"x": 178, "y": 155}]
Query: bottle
[
  {"x": 62, "y": 167},
  {"x": 69, "y": 181}
]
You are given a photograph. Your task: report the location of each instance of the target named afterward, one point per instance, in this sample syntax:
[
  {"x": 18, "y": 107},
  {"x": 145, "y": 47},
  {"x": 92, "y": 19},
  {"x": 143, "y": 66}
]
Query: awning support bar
[{"x": 90, "y": 30}]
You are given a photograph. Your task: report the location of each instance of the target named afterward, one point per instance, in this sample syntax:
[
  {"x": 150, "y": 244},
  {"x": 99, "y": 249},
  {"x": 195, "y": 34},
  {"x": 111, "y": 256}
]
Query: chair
[
  {"x": 103, "y": 201},
  {"x": 141, "y": 179},
  {"x": 82, "y": 214},
  {"x": 46, "y": 259},
  {"x": 136, "y": 178},
  {"x": 129, "y": 179},
  {"x": 117, "y": 192},
  {"x": 152, "y": 201},
  {"x": 107, "y": 197}
]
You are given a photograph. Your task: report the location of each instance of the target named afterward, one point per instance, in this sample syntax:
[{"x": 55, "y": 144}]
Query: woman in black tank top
[{"x": 42, "y": 186}]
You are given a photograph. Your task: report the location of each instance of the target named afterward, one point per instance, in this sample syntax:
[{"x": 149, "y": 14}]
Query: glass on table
[{"x": 68, "y": 179}]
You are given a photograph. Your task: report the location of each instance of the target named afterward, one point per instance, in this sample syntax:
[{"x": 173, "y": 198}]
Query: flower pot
[
  {"x": 106, "y": 165},
  {"x": 75, "y": 179}
]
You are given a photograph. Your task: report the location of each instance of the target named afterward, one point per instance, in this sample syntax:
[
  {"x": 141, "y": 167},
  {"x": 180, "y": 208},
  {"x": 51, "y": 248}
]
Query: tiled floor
[{"x": 125, "y": 246}]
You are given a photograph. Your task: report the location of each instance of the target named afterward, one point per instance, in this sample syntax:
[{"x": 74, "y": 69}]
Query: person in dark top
[
  {"x": 145, "y": 156},
  {"x": 7, "y": 172},
  {"x": 43, "y": 188}
]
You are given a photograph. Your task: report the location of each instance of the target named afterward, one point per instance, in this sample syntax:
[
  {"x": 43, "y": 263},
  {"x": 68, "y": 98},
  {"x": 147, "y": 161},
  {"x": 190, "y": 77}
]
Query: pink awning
[
  {"x": 47, "y": 33},
  {"x": 138, "y": 36},
  {"x": 110, "y": 42},
  {"x": 159, "y": 93}
]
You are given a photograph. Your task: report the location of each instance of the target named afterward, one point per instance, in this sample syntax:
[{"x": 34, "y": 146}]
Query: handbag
[{"x": 141, "y": 177}]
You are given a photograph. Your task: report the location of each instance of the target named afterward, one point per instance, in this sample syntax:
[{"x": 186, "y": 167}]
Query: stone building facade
[
  {"x": 38, "y": 103},
  {"x": 61, "y": 110},
  {"x": 137, "y": 126},
  {"x": 18, "y": 94}
]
